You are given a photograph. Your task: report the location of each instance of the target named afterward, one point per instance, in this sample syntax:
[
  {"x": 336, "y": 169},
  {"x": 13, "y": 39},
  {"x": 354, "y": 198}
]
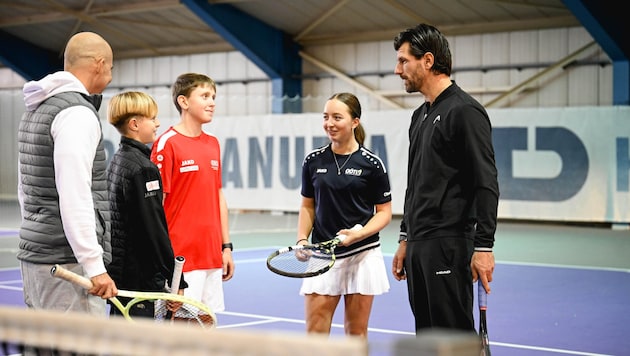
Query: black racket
[
  {"x": 482, "y": 298},
  {"x": 303, "y": 261}
]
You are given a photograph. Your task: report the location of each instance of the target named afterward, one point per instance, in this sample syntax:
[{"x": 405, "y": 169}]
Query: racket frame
[
  {"x": 135, "y": 296},
  {"x": 326, "y": 248}
]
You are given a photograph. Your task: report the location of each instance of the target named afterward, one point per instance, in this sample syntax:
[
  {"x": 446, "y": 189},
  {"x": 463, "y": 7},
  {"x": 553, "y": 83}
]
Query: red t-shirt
[{"x": 191, "y": 175}]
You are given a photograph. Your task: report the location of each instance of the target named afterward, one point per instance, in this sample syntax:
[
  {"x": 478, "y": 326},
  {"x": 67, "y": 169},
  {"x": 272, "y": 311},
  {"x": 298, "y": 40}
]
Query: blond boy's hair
[{"x": 124, "y": 106}]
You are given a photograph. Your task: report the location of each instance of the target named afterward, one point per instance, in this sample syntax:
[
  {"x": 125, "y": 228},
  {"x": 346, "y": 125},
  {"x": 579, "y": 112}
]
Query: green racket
[{"x": 184, "y": 309}]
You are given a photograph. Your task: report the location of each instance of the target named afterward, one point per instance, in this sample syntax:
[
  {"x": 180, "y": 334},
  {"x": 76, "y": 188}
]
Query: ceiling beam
[
  {"x": 558, "y": 66},
  {"x": 29, "y": 61},
  {"x": 321, "y": 18},
  {"x": 96, "y": 12},
  {"x": 449, "y": 30},
  {"x": 175, "y": 50},
  {"x": 346, "y": 78}
]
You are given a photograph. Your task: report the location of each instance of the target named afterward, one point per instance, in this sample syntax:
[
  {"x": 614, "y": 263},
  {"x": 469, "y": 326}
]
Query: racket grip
[
  {"x": 482, "y": 296},
  {"x": 177, "y": 273},
  {"x": 60, "y": 272}
]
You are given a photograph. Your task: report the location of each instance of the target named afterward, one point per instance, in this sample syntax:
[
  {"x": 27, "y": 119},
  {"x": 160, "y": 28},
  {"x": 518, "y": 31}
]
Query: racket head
[
  {"x": 187, "y": 310},
  {"x": 184, "y": 310},
  {"x": 303, "y": 261}
]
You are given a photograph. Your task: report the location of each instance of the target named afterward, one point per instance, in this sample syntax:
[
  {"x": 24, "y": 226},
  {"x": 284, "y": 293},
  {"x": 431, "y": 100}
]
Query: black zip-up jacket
[
  {"x": 142, "y": 254},
  {"x": 452, "y": 187}
]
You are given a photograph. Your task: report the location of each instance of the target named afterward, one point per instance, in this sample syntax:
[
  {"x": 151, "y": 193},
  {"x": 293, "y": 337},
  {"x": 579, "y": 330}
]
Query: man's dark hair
[{"x": 426, "y": 38}]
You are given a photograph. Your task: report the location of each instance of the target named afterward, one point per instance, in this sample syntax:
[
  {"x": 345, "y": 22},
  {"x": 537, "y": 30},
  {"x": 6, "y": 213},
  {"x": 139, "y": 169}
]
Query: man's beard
[{"x": 410, "y": 87}]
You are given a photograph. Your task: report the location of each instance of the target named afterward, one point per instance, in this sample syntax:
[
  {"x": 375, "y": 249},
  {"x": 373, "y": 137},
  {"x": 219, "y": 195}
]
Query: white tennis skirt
[{"x": 363, "y": 273}]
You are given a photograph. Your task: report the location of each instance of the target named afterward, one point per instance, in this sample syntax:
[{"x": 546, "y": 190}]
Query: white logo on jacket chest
[
  {"x": 188, "y": 165},
  {"x": 353, "y": 172}
]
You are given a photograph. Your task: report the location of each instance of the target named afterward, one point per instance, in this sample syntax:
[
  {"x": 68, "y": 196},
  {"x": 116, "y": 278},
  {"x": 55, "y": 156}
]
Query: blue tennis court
[{"x": 534, "y": 309}]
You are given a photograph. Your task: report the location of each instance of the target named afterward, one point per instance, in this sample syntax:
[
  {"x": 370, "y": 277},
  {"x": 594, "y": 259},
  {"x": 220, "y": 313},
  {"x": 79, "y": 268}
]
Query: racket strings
[
  {"x": 185, "y": 314},
  {"x": 302, "y": 261}
]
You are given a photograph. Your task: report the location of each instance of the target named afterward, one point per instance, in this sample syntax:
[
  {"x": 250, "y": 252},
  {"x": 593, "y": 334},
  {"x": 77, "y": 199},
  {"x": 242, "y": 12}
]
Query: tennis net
[
  {"x": 25, "y": 331},
  {"x": 74, "y": 334}
]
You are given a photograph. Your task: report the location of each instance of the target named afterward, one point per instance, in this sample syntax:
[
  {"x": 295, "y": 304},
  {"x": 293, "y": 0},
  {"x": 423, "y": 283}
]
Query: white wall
[
  {"x": 577, "y": 86},
  {"x": 245, "y": 91},
  {"x": 558, "y": 164}
]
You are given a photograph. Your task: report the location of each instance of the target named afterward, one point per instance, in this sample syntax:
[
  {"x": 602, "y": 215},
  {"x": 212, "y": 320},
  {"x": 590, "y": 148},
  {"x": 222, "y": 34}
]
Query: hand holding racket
[
  {"x": 191, "y": 311},
  {"x": 177, "y": 275},
  {"x": 482, "y": 298},
  {"x": 303, "y": 261}
]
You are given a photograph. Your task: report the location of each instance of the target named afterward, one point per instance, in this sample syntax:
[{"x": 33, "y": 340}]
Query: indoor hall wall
[
  {"x": 244, "y": 90},
  {"x": 583, "y": 85},
  {"x": 11, "y": 108}
]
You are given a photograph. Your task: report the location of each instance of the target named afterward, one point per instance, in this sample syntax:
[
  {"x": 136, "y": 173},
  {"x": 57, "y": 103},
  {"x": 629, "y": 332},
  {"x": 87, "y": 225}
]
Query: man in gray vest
[{"x": 62, "y": 186}]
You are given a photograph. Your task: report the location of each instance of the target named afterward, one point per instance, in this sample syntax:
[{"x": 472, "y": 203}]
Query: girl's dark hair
[
  {"x": 354, "y": 107},
  {"x": 425, "y": 38}
]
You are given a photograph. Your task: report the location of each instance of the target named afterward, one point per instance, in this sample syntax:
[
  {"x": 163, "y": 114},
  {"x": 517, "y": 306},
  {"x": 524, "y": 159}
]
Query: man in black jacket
[{"x": 450, "y": 210}]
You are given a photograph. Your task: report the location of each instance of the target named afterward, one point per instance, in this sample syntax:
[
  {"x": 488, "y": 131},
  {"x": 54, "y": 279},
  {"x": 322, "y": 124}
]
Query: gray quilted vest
[{"x": 42, "y": 238}]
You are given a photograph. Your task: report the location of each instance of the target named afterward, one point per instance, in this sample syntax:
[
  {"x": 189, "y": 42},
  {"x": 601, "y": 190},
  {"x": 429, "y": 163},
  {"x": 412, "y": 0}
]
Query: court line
[
  {"x": 536, "y": 348},
  {"x": 526, "y": 264},
  {"x": 550, "y": 265},
  {"x": 10, "y": 285},
  {"x": 251, "y": 323},
  {"x": 265, "y": 319},
  {"x": 301, "y": 321},
  {"x": 273, "y": 248},
  {"x": 270, "y": 319}
]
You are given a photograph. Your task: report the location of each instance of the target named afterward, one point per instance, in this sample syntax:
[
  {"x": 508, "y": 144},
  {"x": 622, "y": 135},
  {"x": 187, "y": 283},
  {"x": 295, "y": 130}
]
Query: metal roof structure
[{"x": 271, "y": 33}]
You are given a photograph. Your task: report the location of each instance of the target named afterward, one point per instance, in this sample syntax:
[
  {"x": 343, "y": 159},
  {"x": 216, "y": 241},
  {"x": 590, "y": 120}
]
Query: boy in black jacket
[{"x": 142, "y": 255}]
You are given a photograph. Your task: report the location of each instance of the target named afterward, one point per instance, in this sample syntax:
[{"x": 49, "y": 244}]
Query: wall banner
[{"x": 564, "y": 164}]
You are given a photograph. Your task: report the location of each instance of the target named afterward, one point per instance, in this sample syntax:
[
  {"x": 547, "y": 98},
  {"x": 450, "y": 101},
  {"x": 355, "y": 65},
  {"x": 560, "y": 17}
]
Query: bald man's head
[
  {"x": 90, "y": 58},
  {"x": 85, "y": 45}
]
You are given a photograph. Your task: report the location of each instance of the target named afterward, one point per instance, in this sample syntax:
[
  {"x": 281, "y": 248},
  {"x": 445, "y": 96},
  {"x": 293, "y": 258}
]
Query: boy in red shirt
[{"x": 189, "y": 161}]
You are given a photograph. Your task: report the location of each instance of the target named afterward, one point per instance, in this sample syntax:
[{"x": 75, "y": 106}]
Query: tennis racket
[
  {"x": 303, "y": 261},
  {"x": 177, "y": 276},
  {"x": 482, "y": 298},
  {"x": 190, "y": 312}
]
